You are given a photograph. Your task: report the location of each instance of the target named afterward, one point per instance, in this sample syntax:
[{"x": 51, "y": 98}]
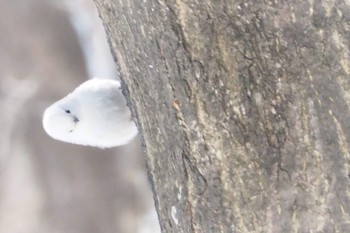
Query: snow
[{"x": 173, "y": 215}]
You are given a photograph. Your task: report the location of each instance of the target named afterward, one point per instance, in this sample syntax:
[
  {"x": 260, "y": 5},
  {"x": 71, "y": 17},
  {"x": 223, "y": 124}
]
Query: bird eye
[{"x": 67, "y": 111}]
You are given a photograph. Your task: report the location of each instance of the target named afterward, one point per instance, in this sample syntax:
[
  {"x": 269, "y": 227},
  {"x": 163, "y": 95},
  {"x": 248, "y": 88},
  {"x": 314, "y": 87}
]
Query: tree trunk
[{"x": 243, "y": 107}]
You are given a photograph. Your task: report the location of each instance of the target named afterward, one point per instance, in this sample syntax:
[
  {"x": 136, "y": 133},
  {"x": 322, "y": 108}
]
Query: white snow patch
[
  {"x": 179, "y": 194},
  {"x": 173, "y": 215}
]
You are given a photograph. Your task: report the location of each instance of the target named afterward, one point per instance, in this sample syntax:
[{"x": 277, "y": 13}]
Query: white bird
[{"x": 94, "y": 114}]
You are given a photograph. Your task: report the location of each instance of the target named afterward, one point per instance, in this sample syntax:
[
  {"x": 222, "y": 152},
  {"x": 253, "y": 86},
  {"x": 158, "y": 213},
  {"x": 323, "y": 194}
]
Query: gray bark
[{"x": 243, "y": 107}]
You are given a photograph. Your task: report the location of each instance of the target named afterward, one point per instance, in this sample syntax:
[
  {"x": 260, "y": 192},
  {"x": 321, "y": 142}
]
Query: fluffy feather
[{"x": 94, "y": 114}]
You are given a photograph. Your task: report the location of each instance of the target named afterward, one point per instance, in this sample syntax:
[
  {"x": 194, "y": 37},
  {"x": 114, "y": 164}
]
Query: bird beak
[{"x": 76, "y": 120}]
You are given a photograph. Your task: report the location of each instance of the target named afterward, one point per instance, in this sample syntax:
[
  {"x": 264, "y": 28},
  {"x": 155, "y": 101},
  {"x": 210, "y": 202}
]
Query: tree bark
[{"x": 243, "y": 107}]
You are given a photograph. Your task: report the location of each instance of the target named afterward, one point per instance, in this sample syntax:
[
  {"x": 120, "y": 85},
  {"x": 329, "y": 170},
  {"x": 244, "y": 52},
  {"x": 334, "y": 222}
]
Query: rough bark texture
[{"x": 243, "y": 107}]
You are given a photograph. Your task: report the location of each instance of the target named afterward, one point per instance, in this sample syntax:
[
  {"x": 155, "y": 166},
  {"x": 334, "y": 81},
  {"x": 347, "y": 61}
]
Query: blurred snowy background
[{"x": 47, "y": 48}]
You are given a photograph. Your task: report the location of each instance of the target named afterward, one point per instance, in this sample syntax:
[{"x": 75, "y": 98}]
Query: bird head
[{"x": 60, "y": 121}]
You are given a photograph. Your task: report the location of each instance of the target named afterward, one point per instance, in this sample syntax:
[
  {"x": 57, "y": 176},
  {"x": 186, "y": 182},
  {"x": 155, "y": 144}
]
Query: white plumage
[{"x": 94, "y": 114}]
